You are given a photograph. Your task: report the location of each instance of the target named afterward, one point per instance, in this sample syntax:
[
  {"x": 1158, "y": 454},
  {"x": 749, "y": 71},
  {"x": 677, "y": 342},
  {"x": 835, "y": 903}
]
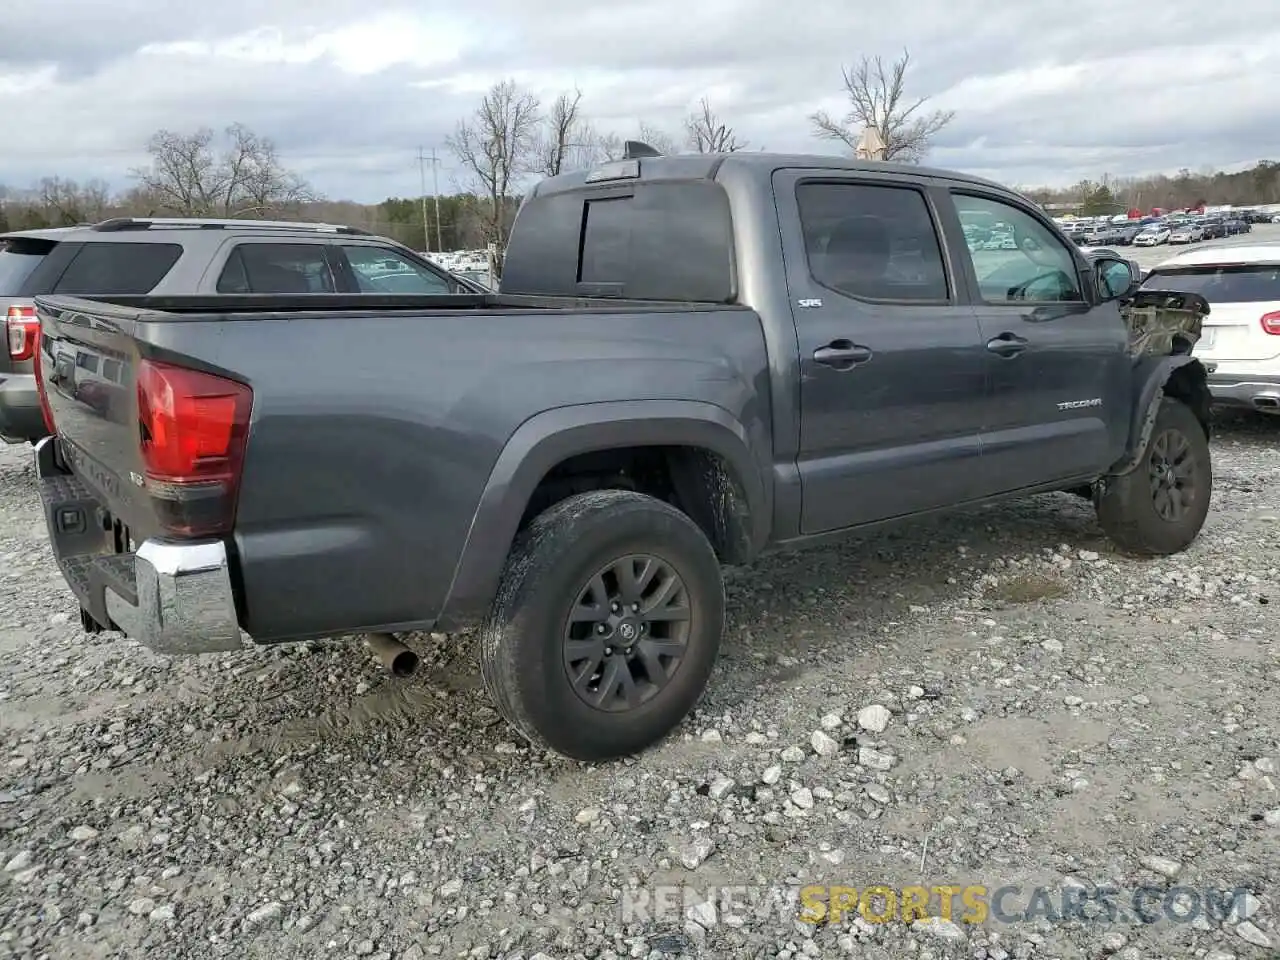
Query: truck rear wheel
[
  {"x": 1159, "y": 507},
  {"x": 606, "y": 625}
]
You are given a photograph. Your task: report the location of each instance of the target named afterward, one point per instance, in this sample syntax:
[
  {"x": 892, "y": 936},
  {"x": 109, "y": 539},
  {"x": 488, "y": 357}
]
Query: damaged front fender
[
  {"x": 1163, "y": 329},
  {"x": 1163, "y": 323}
]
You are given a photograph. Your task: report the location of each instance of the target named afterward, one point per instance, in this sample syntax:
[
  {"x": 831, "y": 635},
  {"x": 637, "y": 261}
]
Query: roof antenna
[{"x": 638, "y": 148}]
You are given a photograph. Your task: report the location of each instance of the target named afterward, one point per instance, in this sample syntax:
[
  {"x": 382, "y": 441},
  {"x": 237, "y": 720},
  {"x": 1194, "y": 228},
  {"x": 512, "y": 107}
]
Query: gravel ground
[{"x": 1050, "y": 714}]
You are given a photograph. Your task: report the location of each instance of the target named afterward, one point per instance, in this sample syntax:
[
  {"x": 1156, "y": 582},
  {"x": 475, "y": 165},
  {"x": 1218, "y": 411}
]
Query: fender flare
[
  {"x": 1158, "y": 372},
  {"x": 553, "y": 436}
]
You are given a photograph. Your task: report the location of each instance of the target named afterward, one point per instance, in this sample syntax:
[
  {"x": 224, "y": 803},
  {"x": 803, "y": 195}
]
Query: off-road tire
[
  {"x": 522, "y": 641},
  {"x": 1126, "y": 506}
]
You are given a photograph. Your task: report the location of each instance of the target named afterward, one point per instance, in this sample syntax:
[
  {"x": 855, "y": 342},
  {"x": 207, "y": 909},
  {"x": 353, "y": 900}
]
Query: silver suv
[{"x": 181, "y": 256}]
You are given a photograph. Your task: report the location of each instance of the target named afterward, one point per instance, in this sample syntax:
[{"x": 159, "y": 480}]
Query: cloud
[{"x": 1043, "y": 93}]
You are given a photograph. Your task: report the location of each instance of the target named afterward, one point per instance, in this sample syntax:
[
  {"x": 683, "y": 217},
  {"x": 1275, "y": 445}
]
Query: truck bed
[{"x": 376, "y": 426}]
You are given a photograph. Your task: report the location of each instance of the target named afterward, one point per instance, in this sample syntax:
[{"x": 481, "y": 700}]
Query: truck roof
[{"x": 695, "y": 166}]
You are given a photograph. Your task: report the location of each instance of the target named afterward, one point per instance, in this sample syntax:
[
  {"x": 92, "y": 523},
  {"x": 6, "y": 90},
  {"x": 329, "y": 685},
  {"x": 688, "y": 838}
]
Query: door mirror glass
[{"x": 1116, "y": 277}]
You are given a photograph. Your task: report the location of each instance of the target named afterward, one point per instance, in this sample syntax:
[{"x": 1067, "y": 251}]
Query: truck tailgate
[{"x": 88, "y": 367}]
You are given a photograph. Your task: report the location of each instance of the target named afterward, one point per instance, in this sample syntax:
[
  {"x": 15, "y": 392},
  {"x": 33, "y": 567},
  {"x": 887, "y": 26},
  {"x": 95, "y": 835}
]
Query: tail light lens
[
  {"x": 193, "y": 427},
  {"x": 1271, "y": 324},
  {"x": 22, "y": 330}
]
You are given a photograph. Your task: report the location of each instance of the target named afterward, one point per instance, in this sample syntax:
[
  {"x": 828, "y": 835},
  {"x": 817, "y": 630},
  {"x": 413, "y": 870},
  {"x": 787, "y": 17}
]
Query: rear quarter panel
[{"x": 373, "y": 438}]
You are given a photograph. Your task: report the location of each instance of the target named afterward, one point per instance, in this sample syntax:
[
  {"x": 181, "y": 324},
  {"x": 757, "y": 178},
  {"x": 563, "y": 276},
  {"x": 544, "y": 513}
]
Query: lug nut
[{"x": 635, "y": 607}]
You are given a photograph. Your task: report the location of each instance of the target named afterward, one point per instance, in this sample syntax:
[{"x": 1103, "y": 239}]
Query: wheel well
[
  {"x": 1190, "y": 384},
  {"x": 695, "y": 480}
]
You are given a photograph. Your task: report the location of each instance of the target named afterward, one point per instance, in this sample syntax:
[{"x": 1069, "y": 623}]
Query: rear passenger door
[
  {"x": 891, "y": 365},
  {"x": 1054, "y": 354}
]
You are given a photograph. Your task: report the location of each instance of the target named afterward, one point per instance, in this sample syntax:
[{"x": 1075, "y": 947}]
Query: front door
[
  {"x": 1056, "y": 356},
  {"x": 891, "y": 365}
]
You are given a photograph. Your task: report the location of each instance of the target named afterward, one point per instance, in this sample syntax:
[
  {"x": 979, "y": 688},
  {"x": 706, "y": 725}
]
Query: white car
[
  {"x": 1152, "y": 237},
  {"x": 1240, "y": 340}
]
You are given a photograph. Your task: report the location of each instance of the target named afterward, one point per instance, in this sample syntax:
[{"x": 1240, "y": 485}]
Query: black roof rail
[{"x": 118, "y": 224}]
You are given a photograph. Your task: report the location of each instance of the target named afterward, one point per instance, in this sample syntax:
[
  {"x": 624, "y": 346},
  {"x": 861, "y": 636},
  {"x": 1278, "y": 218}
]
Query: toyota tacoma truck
[{"x": 691, "y": 360}]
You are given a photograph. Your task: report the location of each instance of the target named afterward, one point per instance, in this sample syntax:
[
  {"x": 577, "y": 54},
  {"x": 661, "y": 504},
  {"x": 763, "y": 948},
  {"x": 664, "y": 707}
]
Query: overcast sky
[{"x": 1045, "y": 91}]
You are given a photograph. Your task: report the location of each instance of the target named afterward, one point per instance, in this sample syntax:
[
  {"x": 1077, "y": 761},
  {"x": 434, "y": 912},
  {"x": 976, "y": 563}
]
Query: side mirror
[{"x": 1116, "y": 277}]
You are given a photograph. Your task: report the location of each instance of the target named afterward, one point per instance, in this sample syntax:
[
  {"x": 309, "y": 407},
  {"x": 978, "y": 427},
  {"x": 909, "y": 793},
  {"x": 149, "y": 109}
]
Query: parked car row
[{"x": 1154, "y": 231}]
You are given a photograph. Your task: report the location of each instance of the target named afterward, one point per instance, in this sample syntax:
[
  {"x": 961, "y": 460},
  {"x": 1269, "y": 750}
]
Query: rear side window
[
  {"x": 380, "y": 270},
  {"x": 665, "y": 240},
  {"x": 19, "y": 256},
  {"x": 277, "y": 268},
  {"x": 1236, "y": 283},
  {"x": 102, "y": 269},
  {"x": 874, "y": 242}
]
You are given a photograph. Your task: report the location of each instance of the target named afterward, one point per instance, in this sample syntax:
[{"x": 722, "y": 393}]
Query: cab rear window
[{"x": 1225, "y": 283}]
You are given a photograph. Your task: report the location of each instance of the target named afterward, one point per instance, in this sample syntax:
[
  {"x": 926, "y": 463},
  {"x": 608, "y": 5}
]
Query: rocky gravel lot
[{"x": 995, "y": 698}]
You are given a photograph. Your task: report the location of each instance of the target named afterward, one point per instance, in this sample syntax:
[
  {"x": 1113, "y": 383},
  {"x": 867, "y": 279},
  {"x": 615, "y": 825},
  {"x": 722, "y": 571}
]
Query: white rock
[
  {"x": 792, "y": 755},
  {"x": 802, "y": 798},
  {"x": 142, "y": 906},
  {"x": 878, "y": 793},
  {"x": 937, "y": 927},
  {"x": 266, "y": 913},
  {"x": 771, "y": 775},
  {"x": 1250, "y": 934},
  {"x": 82, "y": 833},
  {"x": 451, "y": 888},
  {"x": 19, "y": 861},
  {"x": 712, "y": 736},
  {"x": 874, "y": 718},
  {"x": 914, "y": 692},
  {"x": 1072, "y": 701},
  {"x": 876, "y": 760},
  {"x": 695, "y": 854},
  {"x": 1113, "y": 942},
  {"x": 162, "y": 913},
  {"x": 823, "y": 745},
  {"x": 720, "y": 786},
  {"x": 1219, "y": 955},
  {"x": 831, "y": 721},
  {"x": 702, "y": 913},
  {"x": 587, "y": 815},
  {"x": 1272, "y": 817},
  {"x": 1088, "y": 556},
  {"x": 1163, "y": 866},
  {"x": 1264, "y": 765},
  {"x": 1052, "y": 645}
]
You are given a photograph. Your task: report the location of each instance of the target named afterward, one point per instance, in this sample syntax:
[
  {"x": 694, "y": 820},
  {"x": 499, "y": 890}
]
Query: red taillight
[
  {"x": 22, "y": 330},
  {"x": 192, "y": 431},
  {"x": 1271, "y": 324}
]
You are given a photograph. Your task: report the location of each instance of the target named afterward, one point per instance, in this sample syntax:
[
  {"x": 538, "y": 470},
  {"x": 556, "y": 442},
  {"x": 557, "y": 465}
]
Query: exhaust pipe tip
[
  {"x": 394, "y": 655},
  {"x": 1266, "y": 403}
]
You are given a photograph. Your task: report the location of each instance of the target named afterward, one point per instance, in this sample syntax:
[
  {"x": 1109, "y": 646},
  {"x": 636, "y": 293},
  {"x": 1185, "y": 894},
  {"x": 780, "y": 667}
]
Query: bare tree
[
  {"x": 65, "y": 202},
  {"x": 658, "y": 138},
  {"x": 191, "y": 176},
  {"x": 706, "y": 133},
  {"x": 877, "y": 99},
  {"x": 495, "y": 147}
]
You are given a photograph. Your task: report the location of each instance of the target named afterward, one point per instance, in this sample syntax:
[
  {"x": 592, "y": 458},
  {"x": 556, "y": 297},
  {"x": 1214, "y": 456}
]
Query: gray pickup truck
[{"x": 692, "y": 360}]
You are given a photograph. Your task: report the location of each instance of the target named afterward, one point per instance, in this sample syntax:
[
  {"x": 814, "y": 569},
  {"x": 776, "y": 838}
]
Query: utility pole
[
  {"x": 422, "y": 177},
  {"x": 435, "y": 188}
]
